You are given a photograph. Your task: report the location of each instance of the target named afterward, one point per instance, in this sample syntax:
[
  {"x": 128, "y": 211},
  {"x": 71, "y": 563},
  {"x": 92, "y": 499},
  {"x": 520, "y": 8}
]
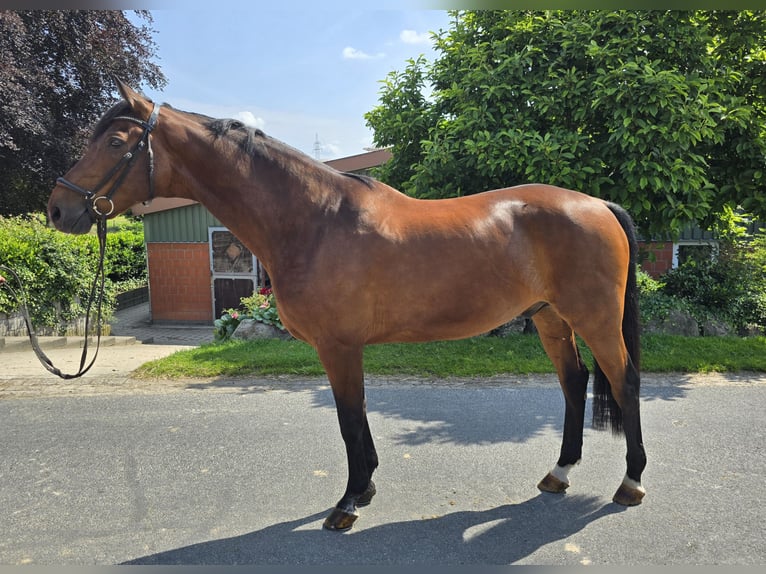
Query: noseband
[{"x": 122, "y": 168}]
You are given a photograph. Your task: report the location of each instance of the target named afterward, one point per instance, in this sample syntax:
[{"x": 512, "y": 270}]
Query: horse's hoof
[
  {"x": 629, "y": 494},
  {"x": 552, "y": 484},
  {"x": 339, "y": 520},
  {"x": 367, "y": 495}
]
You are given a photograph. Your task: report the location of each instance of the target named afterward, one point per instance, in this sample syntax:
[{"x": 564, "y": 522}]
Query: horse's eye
[{"x": 116, "y": 142}]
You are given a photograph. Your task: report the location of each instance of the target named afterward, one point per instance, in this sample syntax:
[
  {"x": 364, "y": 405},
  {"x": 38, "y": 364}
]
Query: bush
[
  {"x": 126, "y": 252},
  {"x": 751, "y": 307},
  {"x": 56, "y": 270},
  {"x": 728, "y": 287},
  {"x": 656, "y": 305},
  {"x": 709, "y": 284}
]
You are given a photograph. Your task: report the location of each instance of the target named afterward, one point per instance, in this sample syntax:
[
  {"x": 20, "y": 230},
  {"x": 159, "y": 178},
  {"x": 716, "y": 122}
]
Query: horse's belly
[{"x": 431, "y": 320}]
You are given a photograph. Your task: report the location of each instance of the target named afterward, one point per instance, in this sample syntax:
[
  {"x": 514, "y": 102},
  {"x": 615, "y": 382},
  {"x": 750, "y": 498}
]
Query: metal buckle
[{"x": 98, "y": 211}]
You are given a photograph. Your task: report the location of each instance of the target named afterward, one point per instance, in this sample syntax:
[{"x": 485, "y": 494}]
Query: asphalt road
[{"x": 243, "y": 472}]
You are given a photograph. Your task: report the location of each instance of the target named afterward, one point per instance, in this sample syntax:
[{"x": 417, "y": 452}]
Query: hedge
[{"x": 57, "y": 269}]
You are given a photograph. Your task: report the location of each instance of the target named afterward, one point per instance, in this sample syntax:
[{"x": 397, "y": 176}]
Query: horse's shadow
[{"x": 502, "y": 535}]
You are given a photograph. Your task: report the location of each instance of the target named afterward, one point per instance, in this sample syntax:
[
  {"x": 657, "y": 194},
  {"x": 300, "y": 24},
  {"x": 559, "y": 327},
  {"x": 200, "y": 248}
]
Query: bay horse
[{"x": 343, "y": 251}]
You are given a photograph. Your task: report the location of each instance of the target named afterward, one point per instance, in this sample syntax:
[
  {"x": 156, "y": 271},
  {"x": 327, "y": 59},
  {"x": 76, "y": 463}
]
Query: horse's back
[{"x": 540, "y": 217}]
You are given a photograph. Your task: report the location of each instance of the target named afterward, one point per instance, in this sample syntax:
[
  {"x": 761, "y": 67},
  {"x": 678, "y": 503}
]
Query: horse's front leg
[{"x": 345, "y": 372}]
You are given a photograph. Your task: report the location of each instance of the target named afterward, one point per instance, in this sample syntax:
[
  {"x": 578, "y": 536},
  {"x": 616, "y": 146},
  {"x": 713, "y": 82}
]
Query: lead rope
[{"x": 96, "y": 291}]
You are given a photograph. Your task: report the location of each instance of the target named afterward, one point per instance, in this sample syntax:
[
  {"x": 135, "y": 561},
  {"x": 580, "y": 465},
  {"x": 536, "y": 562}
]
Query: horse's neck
[{"x": 270, "y": 204}]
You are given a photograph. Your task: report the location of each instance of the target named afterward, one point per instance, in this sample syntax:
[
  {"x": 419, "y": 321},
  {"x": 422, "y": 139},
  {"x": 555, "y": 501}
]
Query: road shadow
[
  {"x": 655, "y": 386},
  {"x": 449, "y": 413},
  {"x": 463, "y": 416},
  {"x": 502, "y": 535}
]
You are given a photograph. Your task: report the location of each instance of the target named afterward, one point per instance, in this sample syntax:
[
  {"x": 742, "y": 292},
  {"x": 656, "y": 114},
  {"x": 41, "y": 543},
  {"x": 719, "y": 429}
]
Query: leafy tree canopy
[
  {"x": 663, "y": 112},
  {"x": 56, "y": 79}
]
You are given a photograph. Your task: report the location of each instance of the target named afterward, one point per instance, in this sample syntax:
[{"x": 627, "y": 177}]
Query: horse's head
[{"x": 117, "y": 170}]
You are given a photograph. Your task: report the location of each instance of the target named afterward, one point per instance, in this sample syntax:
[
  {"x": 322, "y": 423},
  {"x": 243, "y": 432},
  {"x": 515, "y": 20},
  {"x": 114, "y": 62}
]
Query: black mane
[
  {"x": 247, "y": 139},
  {"x": 245, "y": 136},
  {"x": 365, "y": 179}
]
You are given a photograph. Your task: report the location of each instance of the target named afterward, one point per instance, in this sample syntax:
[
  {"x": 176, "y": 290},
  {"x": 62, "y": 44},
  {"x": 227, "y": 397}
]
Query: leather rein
[{"x": 120, "y": 170}]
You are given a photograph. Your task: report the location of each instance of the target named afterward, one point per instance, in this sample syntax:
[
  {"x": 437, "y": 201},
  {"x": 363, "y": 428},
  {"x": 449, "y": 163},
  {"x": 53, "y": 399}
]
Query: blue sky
[{"x": 297, "y": 70}]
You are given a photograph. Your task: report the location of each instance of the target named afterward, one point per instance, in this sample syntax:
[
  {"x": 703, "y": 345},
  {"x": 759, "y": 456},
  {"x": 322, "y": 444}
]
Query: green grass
[{"x": 478, "y": 357}]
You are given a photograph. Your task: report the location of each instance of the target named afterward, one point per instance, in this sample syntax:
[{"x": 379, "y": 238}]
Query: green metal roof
[{"x": 188, "y": 224}]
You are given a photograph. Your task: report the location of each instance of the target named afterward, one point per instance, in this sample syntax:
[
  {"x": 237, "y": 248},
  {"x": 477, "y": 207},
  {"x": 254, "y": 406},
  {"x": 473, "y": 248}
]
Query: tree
[
  {"x": 56, "y": 79},
  {"x": 663, "y": 112}
]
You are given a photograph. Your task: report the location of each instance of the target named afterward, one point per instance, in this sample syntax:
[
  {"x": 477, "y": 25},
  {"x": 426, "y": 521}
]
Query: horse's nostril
[{"x": 55, "y": 214}]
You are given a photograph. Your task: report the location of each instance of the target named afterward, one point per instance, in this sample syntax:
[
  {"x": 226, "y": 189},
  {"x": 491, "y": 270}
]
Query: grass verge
[{"x": 477, "y": 357}]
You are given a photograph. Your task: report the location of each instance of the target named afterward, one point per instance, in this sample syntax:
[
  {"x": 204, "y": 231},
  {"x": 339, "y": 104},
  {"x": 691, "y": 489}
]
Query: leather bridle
[{"x": 121, "y": 168}]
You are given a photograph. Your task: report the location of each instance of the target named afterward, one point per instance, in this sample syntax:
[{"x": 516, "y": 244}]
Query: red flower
[{"x": 264, "y": 291}]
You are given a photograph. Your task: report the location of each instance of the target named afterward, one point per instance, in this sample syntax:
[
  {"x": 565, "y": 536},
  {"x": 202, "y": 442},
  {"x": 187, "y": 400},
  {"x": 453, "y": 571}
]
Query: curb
[{"x": 15, "y": 344}]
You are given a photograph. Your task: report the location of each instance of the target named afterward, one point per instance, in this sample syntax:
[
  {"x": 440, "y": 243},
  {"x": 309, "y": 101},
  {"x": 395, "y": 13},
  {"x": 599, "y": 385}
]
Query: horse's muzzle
[{"x": 71, "y": 218}]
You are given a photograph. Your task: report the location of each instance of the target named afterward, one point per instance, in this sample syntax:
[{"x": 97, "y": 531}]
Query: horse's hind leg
[
  {"x": 615, "y": 370},
  {"x": 559, "y": 343},
  {"x": 344, "y": 370},
  {"x": 624, "y": 381}
]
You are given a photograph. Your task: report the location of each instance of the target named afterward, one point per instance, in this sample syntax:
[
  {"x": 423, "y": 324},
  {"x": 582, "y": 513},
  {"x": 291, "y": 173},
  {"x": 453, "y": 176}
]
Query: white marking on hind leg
[
  {"x": 634, "y": 484},
  {"x": 562, "y": 472}
]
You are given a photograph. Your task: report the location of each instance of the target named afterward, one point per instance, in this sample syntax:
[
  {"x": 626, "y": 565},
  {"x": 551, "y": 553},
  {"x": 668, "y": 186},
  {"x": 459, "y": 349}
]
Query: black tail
[{"x": 606, "y": 412}]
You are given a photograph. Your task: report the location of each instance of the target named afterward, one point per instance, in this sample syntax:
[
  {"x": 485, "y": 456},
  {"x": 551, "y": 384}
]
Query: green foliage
[
  {"x": 262, "y": 307},
  {"x": 660, "y": 111},
  {"x": 656, "y": 305},
  {"x": 402, "y": 120},
  {"x": 126, "y": 252},
  {"x": 730, "y": 286},
  {"x": 751, "y": 308},
  {"x": 125, "y": 285},
  {"x": 711, "y": 284},
  {"x": 56, "y": 80},
  {"x": 225, "y": 325},
  {"x": 56, "y": 269}
]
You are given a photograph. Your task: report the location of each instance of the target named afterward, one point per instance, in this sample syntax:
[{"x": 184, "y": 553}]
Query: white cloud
[
  {"x": 250, "y": 119},
  {"x": 350, "y": 53},
  {"x": 413, "y": 37},
  {"x": 331, "y": 150}
]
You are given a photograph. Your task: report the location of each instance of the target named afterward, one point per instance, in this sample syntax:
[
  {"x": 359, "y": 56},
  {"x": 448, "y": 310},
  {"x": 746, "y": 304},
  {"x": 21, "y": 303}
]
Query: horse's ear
[{"x": 138, "y": 103}]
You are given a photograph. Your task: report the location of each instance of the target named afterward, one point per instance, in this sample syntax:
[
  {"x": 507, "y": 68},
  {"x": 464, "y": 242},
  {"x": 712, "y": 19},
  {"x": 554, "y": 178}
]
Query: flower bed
[{"x": 260, "y": 307}]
